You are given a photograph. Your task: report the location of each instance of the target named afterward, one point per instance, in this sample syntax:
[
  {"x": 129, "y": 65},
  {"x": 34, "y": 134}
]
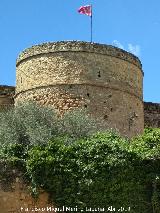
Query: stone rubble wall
[
  {"x": 15, "y": 193},
  {"x": 152, "y": 114},
  {"x": 6, "y": 96}
]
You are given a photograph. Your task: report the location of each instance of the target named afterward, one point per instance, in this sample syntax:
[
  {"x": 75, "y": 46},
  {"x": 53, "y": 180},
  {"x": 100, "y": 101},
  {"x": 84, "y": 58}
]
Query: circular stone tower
[{"x": 105, "y": 80}]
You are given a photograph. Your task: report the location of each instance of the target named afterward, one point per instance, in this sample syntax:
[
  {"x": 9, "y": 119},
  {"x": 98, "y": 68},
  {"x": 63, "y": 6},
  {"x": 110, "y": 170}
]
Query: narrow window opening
[
  {"x": 99, "y": 74},
  {"x": 21, "y": 80},
  {"x": 88, "y": 94}
]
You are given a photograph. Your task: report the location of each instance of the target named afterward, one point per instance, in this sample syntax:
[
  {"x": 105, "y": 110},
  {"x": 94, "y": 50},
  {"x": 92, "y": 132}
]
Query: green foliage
[
  {"x": 27, "y": 124},
  {"x": 30, "y": 124},
  {"x": 99, "y": 171},
  {"x": 147, "y": 145},
  {"x": 79, "y": 168},
  {"x": 77, "y": 124}
]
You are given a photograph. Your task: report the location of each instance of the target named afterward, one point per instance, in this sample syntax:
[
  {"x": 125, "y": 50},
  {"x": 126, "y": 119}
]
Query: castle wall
[
  {"x": 6, "y": 96},
  {"x": 104, "y": 79},
  {"x": 152, "y": 114},
  {"x": 15, "y": 193}
]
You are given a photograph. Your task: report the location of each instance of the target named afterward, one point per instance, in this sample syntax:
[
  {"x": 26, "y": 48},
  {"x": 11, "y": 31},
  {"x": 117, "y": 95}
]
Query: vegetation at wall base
[{"x": 84, "y": 169}]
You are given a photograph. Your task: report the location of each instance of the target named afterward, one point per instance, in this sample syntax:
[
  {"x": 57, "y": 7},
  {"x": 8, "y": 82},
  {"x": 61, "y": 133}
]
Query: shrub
[
  {"x": 99, "y": 171},
  {"x": 147, "y": 145},
  {"x": 27, "y": 124},
  {"x": 30, "y": 125},
  {"x": 77, "y": 124}
]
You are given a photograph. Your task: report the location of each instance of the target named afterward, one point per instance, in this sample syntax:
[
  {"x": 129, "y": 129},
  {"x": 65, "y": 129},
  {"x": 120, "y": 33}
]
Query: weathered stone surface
[
  {"x": 73, "y": 46},
  {"x": 102, "y": 78},
  {"x": 152, "y": 114},
  {"x": 6, "y": 96},
  {"x": 20, "y": 200},
  {"x": 15, "y": 195}
]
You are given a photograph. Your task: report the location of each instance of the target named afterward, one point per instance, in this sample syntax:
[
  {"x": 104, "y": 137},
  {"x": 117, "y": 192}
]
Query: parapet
[
  {"x": 6, "y": 96},
  {"x": 80, "y": 46},
  {"x": 152, "y": 114}
]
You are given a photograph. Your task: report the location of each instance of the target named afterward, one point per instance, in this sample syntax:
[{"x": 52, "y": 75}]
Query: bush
[
  {"x": 99, "y": 171},
  {"x": 27, "y": 124},
  {"x": 147, "y": 145},
  {"x": 31, "y": 125},
  {"x": 77, "y": 124}
]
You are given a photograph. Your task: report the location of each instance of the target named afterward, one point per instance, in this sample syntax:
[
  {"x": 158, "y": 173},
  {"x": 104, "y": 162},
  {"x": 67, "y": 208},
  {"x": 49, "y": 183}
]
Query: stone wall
[
  {"x": 104, "y": 79},
  {"x": 152, "y": 114},
  {"x": 15, "y": 194},
  {"x": 6, "y": 96}
]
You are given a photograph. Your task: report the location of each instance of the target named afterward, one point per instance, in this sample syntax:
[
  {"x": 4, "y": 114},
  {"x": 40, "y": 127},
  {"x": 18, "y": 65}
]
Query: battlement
[
  {"x": 7, "y": 90},
  {"x": 6, "y": 96}
]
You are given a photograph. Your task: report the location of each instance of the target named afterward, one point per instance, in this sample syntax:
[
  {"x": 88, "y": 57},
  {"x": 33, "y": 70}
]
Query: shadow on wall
[{"x": 152, "y": 114}]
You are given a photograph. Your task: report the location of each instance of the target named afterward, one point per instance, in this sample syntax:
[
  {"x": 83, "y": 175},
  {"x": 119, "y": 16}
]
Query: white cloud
[
  {"x": 117, "y": 44},
  {"x": 135, "y": 49}
]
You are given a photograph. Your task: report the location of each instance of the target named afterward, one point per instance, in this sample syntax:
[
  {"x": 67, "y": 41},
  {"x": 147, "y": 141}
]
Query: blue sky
[{"x": 130, "y": 24}]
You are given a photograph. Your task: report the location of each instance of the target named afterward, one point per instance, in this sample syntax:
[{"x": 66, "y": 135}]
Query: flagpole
[
  {"x": 91, "y": 24},
  {"x": 87, "y": 10}
]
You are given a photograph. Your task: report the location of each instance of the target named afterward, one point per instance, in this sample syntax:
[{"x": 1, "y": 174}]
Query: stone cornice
[{"x": 79, "y": 46}]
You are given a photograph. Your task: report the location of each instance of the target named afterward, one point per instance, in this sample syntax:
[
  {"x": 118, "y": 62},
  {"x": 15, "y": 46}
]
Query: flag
[{"x": 86, "y": 10}]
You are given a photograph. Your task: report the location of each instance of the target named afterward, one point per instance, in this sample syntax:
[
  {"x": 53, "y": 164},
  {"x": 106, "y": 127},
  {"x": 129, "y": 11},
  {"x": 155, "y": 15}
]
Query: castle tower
[
  {"x": 6, "y": 97},
  {"x": 105, "y": 80}
]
